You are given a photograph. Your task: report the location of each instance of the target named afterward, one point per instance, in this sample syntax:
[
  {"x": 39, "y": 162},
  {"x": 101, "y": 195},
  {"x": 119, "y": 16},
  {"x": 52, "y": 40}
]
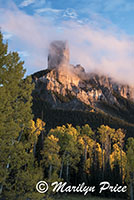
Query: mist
[{"x": 104, "y": 50}]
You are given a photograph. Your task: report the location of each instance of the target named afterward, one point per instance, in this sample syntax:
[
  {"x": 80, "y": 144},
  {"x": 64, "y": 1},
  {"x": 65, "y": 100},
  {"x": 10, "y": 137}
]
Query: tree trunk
[
  {"x": 61, "y": 170},
  {"x": 1, "y": 188},
  {"x": 121, "y": 166},
  {"x": 42, "y": 114},
  {"x": 34, "y": 149},
  {"x": 131, "y": 191},
  {"x": 85, "y": 152},
  {"x": 102, "y": 164},
  {"x": 20, "y": 135},
  {"x": 67, "y": 171},
  {"x": 50, "y": 171}
]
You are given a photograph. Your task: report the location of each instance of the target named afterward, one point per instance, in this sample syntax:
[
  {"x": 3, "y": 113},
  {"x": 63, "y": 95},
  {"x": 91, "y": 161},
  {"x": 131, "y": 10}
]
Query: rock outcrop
[
  {"x": 58, "y": 54},
  {"x": 70, "y": 87}
]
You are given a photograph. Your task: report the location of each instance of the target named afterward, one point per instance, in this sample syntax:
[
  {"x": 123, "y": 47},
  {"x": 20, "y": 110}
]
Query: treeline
[
  {"x": 30, "y": 153},
  {"x": 53, "y": 117},
  {"x": 78, "y": 154}
]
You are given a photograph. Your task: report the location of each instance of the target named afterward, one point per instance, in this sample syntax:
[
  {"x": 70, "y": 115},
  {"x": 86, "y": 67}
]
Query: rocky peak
[
  {"x": 58, "y": 54},
  {"x": 69, "y": 87}
]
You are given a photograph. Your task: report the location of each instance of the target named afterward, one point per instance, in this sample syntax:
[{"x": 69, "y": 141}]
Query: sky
[{"x": 100, "y": 33}]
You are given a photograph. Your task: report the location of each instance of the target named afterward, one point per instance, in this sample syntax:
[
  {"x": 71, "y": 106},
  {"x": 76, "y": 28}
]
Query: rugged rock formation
[
  {"x": 58, "y": 54},
  {"x": 65, "y": 86}
]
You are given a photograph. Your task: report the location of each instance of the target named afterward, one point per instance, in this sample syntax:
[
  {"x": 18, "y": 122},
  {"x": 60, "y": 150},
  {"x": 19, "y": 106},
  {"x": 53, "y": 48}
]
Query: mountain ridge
[{"x": 69, "y": 88}]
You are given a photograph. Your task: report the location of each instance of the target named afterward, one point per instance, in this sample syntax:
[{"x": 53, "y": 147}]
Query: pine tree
[{"x": 17, "y": 163}]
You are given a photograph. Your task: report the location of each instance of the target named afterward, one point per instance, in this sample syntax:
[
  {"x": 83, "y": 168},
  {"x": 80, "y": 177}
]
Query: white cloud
[
  {"x": 107, "y": 50},
  {"x": 43, "y": 10},
  {"x": 26, "y": 3},
  {"x": 70, "y": 12},
  {"x": 39, "y": 3}
]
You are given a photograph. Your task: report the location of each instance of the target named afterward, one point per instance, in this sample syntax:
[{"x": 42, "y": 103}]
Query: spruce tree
[{"x": 17, "y": 165}]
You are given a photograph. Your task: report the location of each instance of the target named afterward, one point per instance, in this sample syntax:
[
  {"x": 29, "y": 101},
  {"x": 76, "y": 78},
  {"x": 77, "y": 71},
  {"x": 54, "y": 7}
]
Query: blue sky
[
  {"x": 100, "y": 32},
  {"x": 119, "y": 12}
]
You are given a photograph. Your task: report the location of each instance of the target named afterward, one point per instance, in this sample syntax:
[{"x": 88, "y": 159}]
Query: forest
[{"x": 31, "y": 151}]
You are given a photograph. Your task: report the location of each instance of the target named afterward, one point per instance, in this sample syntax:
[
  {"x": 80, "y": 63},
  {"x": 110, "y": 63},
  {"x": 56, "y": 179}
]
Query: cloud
[
  {"x": 97, "y": 48},
  {"x": 33, "y": 3},
  {"x": 26, "y": 3},
  {"x": 40, "y": 3},
  {"x": 43, "y": 10},
  {"x": 71, "y": 13}
]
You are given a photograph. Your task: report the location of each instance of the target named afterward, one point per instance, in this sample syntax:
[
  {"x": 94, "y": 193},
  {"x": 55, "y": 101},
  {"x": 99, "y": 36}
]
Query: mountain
[{"x": 65, "y": 88}]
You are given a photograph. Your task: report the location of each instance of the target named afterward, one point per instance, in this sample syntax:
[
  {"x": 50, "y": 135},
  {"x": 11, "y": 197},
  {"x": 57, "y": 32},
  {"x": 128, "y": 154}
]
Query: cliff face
[
  {"x": 91, "y": 91},
  {"x": 69, "y": 87}
]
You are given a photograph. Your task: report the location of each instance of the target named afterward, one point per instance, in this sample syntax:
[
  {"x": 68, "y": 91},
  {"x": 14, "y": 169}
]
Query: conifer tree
[{"x": 17, "y": 166}]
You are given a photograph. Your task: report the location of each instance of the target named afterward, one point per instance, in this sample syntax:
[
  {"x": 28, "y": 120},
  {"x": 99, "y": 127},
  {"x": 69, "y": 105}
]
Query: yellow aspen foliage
[
  {"x": 99, "y": 154},
  {"x": 88, "y": 164},
  {"x": 52, "y": 138},
  {"x": 116, "y": 159},
  {"x": 87, "y": 145},
  {"x": 105, "y": 136},
  {"x": 50, "y": 153},
  {"x": 69, "y": 147},
  {"x": 118, "y": 137},
  {"x": 37, "y": 126},
  {"x": 36, "y": 129}
]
